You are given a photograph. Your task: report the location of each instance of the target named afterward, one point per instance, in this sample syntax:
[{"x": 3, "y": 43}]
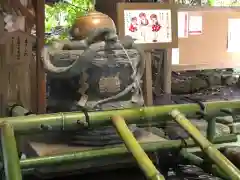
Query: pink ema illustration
[
  {"x": 133, "y": 25},
  {"x": 155, "y": 25},
  {"x": 143, "y": 19}
]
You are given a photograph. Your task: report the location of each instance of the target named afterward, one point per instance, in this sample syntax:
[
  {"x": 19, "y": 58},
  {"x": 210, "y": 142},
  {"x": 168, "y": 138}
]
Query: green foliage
[{"x": 71, "y": 10}]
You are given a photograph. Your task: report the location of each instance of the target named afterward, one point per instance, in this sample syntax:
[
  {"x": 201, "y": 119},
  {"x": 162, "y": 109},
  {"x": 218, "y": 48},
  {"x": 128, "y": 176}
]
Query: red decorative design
[
  {"x": 156, "y": 27},
  {"x": 132, "y": 28},
  {"x": 133, "y": 25}
]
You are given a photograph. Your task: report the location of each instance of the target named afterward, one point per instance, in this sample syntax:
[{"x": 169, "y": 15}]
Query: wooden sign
[
  {"x": 18, "y": 48},
  {"x": 152, "y": 25},
  {"x": 15, "y": 72}
]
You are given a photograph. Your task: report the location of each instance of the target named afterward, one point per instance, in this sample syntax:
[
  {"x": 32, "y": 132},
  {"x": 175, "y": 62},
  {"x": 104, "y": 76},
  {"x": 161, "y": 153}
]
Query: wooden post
[
  {"x": 1, "y": 24},
  {"x": 167, "y": 71},
  {"x": 108, "y": 7},
  {"x": 148, "y": 92},
  {"x": 167, "y": 66},
  {"x": 39, "y": 6}
]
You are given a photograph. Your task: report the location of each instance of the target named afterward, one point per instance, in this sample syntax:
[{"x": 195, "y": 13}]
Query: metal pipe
[
  {"x": 133, "y": 146},
  {"x": 10, "y": 154},
  {"x": 74, "y": 120},
  {"x": 214, "y": 154},
  {"x": 113, "y": 151}
]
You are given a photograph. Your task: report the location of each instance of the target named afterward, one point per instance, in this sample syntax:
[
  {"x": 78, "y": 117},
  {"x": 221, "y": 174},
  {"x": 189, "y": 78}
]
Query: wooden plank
[
  {"x": 209, "y": 49},
  {"x": 43, "y": 148},
  {"x": 3, "y": 91},
  {"x": 24, "y": 87},
  {"x": 15, "y": 62}
]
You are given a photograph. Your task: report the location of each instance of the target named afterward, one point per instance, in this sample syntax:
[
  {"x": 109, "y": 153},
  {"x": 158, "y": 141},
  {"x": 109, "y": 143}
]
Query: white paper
[
  {"x": 14, "y": 23},
  {"x": 233, "y": 35},
  {"x": 182, "y": 24},
  {"x": 20, "y": 23},
  {"x": 175, "y": 56},
  {"x": 195, "y": 25},
  {"x": 148, "y": 26},
  {"x": 24, "y": 2}
]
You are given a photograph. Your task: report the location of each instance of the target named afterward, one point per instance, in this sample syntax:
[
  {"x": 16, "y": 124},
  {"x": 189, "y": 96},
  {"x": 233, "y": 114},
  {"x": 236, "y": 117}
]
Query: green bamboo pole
[
  {"x": 10, "y": 155},
  {"x": 214, "y": 154},
  {"x": 211, "y": 129},
  {"x": 195, "y": 160},
  {"x": 113, "y": 151},
  {"x": 74, "y": 120},
  {"x": 133, "y": 146}
]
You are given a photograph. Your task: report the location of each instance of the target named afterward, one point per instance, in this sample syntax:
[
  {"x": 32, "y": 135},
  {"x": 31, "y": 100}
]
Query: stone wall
[{"x": 193, "y": 81}]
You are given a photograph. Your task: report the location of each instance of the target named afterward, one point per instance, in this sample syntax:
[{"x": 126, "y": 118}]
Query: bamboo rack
[{"x": 78, "y": 120}]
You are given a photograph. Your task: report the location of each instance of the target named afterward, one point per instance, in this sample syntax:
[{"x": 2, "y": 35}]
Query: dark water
[
  {"x": 120, "y": 174},
  {"x": 183, "y": 172}
]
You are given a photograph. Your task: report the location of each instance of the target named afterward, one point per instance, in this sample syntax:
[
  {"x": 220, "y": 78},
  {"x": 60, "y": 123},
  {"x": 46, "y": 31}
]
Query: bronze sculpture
[{"x": 85, "y": 25}]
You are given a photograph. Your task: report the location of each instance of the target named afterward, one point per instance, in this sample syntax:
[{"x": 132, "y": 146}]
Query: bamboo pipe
[
  {"x": 17, "y": 110},
  {"x": 195, "y": 160},
  {"x": 211, "y": 129},
  {"x": 10, "y": 155},
  {"x": 75, "y": 120},
  {"x": 214, "y": 154},
  {"x": 113, "y": 151},
  {"x": 133, "y": 146}
]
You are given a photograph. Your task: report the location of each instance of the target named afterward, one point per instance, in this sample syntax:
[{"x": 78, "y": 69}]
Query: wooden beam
[
  {"x": 39, "y": 6},
  {"x": 108, "y": 7}
]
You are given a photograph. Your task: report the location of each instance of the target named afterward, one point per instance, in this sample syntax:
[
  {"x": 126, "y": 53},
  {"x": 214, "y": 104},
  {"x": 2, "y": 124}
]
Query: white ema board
[
  {"x": 175, "y": 56},
  {"x": 182, "y": 24},
  {"x": 148, "y": 26},
  {"x": 195, "y": 25},
  {"x": 233, "y": 35}
]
